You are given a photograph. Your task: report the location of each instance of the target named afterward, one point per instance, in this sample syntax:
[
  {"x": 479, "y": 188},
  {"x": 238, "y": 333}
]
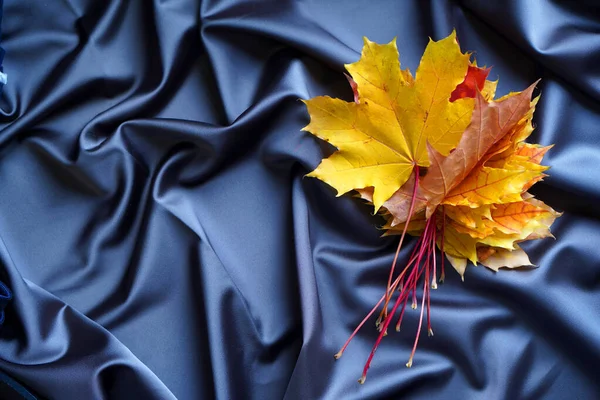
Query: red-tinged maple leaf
[{"x": 474, "y": 82}]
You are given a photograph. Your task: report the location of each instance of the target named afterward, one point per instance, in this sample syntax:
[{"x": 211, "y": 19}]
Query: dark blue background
[{"x": 161, "y": 242}]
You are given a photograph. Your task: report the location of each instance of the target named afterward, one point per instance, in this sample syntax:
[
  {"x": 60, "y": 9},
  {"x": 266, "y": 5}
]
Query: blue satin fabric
[{"x": 161, "y": 242}]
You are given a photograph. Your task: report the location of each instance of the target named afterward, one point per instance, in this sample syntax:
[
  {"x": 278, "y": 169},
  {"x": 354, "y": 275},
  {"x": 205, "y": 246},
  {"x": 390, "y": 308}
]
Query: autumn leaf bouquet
[{"x": 440, "y": 159}]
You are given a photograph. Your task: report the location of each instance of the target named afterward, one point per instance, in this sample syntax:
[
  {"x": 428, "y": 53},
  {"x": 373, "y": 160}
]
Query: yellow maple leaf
[
  {"x": 458, "y": 245},
  {"x": 383, "y": 136},
  {"x": 487, "y": 185},
  {"x": 468, "y": 217},
  {"x": 425, "y": 112},
  {"x": 495, "y": 258},
  {"x": 489, "y": 90},
  {"x": 371, "y": 152}
]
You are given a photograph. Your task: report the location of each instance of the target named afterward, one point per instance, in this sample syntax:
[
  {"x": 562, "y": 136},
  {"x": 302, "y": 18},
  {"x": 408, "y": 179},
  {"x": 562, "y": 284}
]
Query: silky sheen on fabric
[{"x": 161, "y": 242}]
